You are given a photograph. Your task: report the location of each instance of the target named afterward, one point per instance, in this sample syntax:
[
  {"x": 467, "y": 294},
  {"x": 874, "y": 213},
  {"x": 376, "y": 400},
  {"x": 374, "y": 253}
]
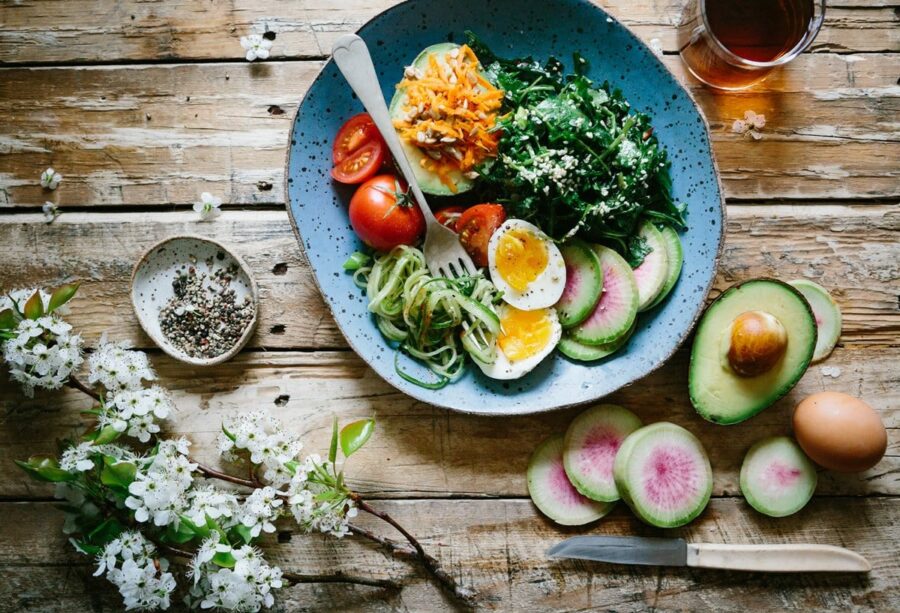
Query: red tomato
[
  {"x": 355, "y": 132},
  {"x": 361, "y": 165},
  {"x": 383, "y": 215},
  {"x": 449, "y": 215},
  {"x": 475, "y": 227}
]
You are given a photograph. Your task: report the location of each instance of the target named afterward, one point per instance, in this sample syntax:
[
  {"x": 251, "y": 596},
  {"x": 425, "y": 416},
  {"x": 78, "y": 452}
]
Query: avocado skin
[{"x": 698, "y": 380}]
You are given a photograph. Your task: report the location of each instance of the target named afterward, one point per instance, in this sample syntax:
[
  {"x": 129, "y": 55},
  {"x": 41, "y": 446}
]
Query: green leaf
[
  {"x": 105, "y": 532},
  {"x": 86, "y": 548},
  {"x": 182, "y": 534},
  {"x": 34, "y": 308},
  {"x": 228, "y": 434},
  {"x": 106, "y": 435},
  {"x": 44, "y": 468},
  {"x": 62, "y": 295},
  {"x": 117, "y": 474},
  {"x": 224, "y": 559},
  {"x": 202, "y": 531},
  {"x": 355, "y": 435},
  {"x": 7, "y": 319},
  {"x": 332, "y": 451},
  {"x": 244, "y": 532}
]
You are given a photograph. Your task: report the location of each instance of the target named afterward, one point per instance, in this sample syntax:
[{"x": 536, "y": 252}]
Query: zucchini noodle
[{"x": 434, "y": 319}]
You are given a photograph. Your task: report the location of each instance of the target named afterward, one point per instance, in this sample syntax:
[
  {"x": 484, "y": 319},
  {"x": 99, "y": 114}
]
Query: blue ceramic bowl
[{"x": 318, "y": 206}]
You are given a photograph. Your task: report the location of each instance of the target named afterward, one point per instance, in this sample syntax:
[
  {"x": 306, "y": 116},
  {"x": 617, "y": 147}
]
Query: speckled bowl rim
[
  {"x": 164, "y": 345},
  {"x": 422, "y": 395}
]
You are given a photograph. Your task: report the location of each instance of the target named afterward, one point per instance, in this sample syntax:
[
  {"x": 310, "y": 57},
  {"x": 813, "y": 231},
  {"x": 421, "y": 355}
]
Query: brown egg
[{"x": 840, "y": 432}]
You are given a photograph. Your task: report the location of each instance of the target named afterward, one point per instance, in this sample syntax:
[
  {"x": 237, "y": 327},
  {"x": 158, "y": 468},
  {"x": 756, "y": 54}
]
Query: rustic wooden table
[{"x": 143, "y": 105}]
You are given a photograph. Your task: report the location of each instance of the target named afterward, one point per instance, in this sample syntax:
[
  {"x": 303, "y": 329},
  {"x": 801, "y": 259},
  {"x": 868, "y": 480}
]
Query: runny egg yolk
[
  {"x": 524, "y": 333},
  {"x": 521, "y": 257}
]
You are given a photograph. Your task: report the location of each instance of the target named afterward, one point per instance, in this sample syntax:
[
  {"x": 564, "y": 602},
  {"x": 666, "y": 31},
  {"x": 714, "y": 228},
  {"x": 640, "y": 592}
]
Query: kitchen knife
[{"x": 677, "y": 552}]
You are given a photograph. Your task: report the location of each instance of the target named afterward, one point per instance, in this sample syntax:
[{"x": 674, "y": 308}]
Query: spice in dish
[{"x": 205, "y": 318}]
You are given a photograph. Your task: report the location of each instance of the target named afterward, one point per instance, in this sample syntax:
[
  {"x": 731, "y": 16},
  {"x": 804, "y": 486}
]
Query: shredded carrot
[{"x": 449, "y": 113}]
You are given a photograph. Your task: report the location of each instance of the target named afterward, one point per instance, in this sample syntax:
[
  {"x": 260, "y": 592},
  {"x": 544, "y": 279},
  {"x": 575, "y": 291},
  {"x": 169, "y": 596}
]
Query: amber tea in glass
[{"x": 732, "y": 44}]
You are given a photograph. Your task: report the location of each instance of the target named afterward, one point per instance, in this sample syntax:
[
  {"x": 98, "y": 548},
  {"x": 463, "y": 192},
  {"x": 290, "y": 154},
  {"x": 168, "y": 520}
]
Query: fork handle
[{"x": 351, "y": 55}]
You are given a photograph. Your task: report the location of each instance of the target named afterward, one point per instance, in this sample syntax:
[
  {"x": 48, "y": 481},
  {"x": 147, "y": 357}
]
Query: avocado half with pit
[
  {"x": 753, "y": 344},
  {"x": 429, "y": 181}
]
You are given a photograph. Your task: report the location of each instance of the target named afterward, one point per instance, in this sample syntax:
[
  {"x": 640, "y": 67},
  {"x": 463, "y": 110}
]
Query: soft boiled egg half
[
  {"x": 525, "y": 338},
  {"x": 526, "y": 266}
]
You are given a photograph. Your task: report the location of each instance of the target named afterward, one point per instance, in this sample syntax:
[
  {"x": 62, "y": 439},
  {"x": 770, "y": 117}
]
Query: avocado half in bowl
[{"x": 752, "y": 345}]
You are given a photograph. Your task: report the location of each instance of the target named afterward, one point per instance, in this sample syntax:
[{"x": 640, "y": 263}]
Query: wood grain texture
[
  {"x": 497, "y": 547},
  {"x": 67, "y": 30},
  {"x": 160, "y": 135},
  {"x": 852, "y": 250},
  {"x": 420, "y": 450}
]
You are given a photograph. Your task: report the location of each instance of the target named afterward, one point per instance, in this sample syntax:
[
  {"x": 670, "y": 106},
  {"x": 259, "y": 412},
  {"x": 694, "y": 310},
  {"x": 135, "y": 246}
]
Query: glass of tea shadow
[{"x": 732, "y": 44}]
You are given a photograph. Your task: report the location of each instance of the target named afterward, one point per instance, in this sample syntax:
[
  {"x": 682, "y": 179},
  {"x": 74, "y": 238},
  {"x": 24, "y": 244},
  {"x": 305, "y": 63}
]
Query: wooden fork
[{"x": 444, "y": 255}]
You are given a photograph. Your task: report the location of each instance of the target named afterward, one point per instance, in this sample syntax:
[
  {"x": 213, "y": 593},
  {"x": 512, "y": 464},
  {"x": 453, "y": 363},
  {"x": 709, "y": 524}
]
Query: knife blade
[{"x": 676, "y": 552}]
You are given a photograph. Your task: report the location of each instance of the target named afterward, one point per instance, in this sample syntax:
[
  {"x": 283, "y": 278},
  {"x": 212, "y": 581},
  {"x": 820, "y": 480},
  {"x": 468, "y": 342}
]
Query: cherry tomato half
[
  {"x": 356, "y": 131},
  {"x": 475, "y": 227},
  {"x": 383, "y": 215},
  {"x": 449, "y": 215},
  {"x": 361, "y": 165}
]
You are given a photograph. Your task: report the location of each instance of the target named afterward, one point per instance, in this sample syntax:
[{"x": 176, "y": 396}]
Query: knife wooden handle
[{"x": 777, "y": 558}]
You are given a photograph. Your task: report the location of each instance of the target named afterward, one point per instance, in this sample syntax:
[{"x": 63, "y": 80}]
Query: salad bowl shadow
[{"x": 318, "y": 207}]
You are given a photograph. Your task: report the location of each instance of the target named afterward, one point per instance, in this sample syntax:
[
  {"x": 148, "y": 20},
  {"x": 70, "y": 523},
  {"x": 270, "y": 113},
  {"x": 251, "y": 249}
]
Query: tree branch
[
  {"x": 295, "y": 578},
  {"x": 75, "y": 383},
  {"x": 212, "y": 473},
  {"x": 461, "y": 593}
]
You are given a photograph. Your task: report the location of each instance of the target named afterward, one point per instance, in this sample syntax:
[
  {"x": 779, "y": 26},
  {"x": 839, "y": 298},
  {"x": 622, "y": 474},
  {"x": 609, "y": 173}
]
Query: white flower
[
  {"x": 260, "y": 509},
  {"x": 246, "y": 587},
  {"x": 327, "y": 516},
  {"x": 751, "y": 125},
  {"x": 51, "y": 212},
  {"x": 130, "y": 564},
  {"x": 117, "y": 368},
  {"x": 256, "y": 47},
  {"x": 208, "y": 207},
  {"x": 210, "y": 501},
  {"x": 43, "y": 353},
  {"x": 135, "y": 411},
  {"x": 159, "y": 491},
  {"x": 50, "y": 179},
  {"x": 78, "y": 458},
  {"x": 266, "y": 442}
]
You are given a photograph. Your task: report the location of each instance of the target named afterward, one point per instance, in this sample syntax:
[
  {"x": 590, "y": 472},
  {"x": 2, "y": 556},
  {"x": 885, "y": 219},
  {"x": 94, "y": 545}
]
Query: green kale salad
[{"x": 574, "y": 158}]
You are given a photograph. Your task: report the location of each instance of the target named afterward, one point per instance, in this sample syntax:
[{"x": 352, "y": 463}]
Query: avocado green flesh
[
  {"x": 430, "y": 182},
  {"x": 717, "y": 392}
]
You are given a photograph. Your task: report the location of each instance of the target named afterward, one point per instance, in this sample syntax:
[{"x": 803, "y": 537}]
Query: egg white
[
  {"x": 547, "y": 288},
  {"x": 503, "y": 368}
]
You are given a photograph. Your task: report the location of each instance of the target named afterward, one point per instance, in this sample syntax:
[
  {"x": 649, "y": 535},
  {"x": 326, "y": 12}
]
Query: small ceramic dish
[{"x": 151, "y": 288}]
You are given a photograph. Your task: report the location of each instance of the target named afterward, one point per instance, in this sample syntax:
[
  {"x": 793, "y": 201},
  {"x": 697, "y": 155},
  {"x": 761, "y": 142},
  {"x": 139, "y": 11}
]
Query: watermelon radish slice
[
  {"x": 590, "y": 447},
  {"x": 662, "y": 473},
  {"x": 675, "y": 255},
  {"x": 551, "y": 491},
  {"x": 827, "y": 314},
  {"x": 615, "y": 312},
  {"x": 777, "y": 478},
  {"x": 574, "y": 350},
  {"x": 651, "y": 274},
  {"x": 584, "y": 283}
]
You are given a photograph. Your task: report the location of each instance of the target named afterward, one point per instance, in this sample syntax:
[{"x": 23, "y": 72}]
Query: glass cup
[{"x": 732, "y": 44}]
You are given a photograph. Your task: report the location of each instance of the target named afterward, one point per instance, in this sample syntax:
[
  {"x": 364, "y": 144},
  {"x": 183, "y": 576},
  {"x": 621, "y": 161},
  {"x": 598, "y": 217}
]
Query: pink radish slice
[
  {"x": 662, "y": 473},
  {"x": 584, "y": 283},
  {"x": 777, "y": 478},
  {"x": 590, "y": 448},
  {"x": 551, "y": 491},
  {"x": 650, "y": 276},
  {"x": 617, "y": 308}
]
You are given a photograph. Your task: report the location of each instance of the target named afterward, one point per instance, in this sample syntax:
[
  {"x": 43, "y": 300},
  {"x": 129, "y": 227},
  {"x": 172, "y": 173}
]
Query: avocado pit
[{"x": 757, "y": 341}]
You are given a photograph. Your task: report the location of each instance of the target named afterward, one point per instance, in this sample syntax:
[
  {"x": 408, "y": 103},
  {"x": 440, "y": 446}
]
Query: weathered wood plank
[
  {"x": 851, "y": 250},
  {"x": 497, "y": 547},
  {"x": 68, "y": 31},
  {"x": 424, "y": 451},
  {"x": 160, "y": 135}
]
